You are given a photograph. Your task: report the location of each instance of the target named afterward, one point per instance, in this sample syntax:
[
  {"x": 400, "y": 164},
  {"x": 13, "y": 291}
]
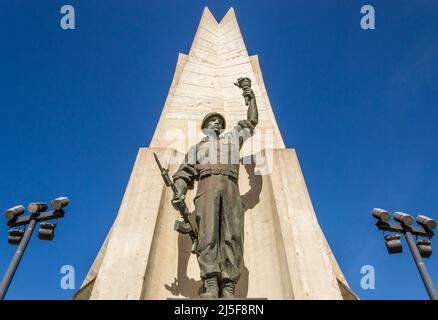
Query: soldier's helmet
[{"x": 210, "y": 115}]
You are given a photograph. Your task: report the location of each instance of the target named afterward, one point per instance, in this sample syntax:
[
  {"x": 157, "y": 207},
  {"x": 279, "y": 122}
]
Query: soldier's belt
[{"x": 213, "y": 171}]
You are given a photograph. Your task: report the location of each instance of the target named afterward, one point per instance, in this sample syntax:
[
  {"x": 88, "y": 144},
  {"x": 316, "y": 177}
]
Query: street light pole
[
  {"x": 38, "y": 214},
  {"x": 427, "y": 280},
  {"x": 16, "y": 259},
  {"x": 393, "y": 244}
]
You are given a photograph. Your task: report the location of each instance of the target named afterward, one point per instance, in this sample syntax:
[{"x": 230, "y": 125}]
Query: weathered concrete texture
[
  {"x": 286, "y": 254},
  {"x": 203, "y": 82}
]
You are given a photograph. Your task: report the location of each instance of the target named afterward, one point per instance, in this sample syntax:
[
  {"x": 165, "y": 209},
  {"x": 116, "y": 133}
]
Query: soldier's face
[{"x": 215, "y": 124}]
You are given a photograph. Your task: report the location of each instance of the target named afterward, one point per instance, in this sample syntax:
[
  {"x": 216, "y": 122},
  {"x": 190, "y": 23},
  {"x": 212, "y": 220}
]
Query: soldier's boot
[
  {"x": 228, "y": 289},
  {"x": 211, "y": 288}
]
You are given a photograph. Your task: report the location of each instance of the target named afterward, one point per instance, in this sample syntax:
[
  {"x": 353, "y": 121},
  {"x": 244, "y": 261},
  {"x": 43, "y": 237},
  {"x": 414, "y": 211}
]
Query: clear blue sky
[{"x": 360, "y": 107}]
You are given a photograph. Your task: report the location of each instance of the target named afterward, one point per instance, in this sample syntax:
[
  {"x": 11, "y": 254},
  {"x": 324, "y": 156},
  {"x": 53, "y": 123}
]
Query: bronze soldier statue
[{"x": 214, "y": 163}]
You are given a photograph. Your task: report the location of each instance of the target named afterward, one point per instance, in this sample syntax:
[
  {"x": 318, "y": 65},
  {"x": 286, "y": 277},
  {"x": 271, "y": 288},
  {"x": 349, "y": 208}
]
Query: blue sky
[{"x": 360, "y": 107}]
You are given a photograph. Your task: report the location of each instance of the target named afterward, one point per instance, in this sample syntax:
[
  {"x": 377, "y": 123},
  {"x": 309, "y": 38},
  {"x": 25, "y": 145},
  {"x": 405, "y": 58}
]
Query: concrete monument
[{"x": 284, "y": 254}]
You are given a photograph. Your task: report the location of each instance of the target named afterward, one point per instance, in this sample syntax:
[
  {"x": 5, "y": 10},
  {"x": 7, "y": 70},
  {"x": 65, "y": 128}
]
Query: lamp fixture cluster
[
  {"x": 38, "y": 212},
  {"x": 393, "y": 242}
]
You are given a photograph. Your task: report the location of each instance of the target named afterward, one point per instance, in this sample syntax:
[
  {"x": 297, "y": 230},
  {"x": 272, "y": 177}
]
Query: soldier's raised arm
[{"x": 246, "y": 127}]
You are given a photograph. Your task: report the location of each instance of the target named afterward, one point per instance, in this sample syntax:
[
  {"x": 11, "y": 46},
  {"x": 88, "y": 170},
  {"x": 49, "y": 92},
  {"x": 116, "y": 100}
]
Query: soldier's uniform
[{"x": 214, "y": 162}]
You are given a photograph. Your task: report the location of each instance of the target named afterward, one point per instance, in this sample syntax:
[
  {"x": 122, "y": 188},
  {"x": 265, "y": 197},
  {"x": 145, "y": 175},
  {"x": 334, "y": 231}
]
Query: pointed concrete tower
[{"x": 286, "y": 254}]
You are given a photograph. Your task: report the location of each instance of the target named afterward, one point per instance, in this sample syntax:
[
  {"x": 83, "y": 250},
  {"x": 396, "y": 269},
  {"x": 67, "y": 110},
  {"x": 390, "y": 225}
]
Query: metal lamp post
[
  {"x": 404, "y": 226},
  {"x": 38, "y": 213}
]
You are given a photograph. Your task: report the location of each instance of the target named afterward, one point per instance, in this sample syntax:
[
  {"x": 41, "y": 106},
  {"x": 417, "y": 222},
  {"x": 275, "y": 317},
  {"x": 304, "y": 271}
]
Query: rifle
[{"x": 186, "y": 226}]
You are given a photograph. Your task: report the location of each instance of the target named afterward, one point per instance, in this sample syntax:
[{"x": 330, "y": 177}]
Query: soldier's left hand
[{"x": 178, "y": 201}]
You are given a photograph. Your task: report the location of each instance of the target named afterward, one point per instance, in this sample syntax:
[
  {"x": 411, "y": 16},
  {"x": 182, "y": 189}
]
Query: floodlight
[
  {"x": 404, "y": 218},
  {"x": 47, "y": 231},
  {"x": 13, "y": 213},
  {"x": 393, "y": 243},
  {"x": 425, "y": 248},
  {"x": 36, "y": 207},
  {"x": 47, "y": 225},
  {"x": 381, "y": 214},
  {"x": 59, "y": 203},
  {"x": 426, "y": 222},
  {"x": 15, "y": 236}
]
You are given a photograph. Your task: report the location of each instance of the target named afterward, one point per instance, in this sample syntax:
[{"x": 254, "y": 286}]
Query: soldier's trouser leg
[
  {"x": 231, "y": 239},
  {"x": 207, "y": 203},
  {"x": 219, "y": 215}
]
